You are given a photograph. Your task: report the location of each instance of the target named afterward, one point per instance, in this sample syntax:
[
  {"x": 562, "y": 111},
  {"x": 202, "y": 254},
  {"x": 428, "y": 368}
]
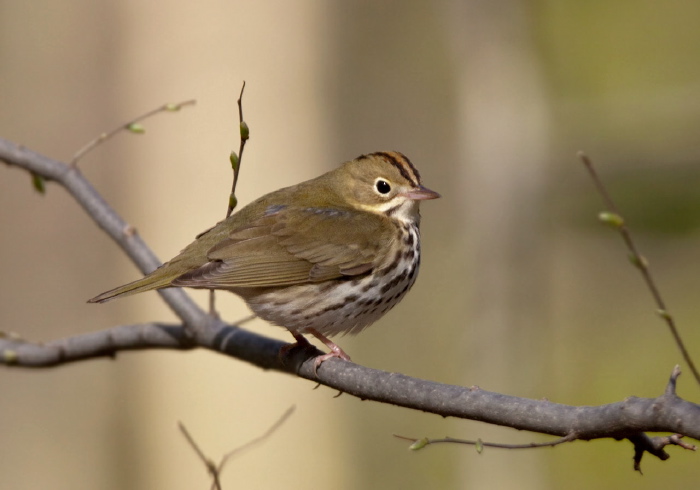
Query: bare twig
[
  {"x": 614, "y": 218},
  {"x": 273, "y": 428},
  {"x": 208, "y": 463},
  {"x": 246, "y": 319},
  {"x": 214, "y": 469},
  {"x": 132, "y": 126},
  {"x": 642, "y": 444},
  {"x": 480, "y": 445}
]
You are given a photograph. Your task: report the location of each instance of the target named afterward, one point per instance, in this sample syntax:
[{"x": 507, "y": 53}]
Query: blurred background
[{"x": 521, "y": 290}]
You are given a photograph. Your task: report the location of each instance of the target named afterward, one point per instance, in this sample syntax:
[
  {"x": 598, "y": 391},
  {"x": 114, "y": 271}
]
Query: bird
[{"x": 324, "y": 257}]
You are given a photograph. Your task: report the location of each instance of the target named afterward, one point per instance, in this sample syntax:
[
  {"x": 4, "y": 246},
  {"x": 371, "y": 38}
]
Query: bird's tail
[{"x": 152, "y": 281}]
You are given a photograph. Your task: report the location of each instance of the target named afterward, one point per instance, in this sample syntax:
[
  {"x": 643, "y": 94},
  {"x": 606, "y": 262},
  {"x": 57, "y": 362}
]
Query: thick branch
[{"x": 624, "y": 419}]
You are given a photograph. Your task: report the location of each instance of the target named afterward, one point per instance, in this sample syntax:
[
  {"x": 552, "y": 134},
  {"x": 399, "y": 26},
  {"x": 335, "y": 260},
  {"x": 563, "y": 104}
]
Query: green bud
[
  {"x": 9, "y": 356},
  {"x": 172, "y": 107},
  {"x": 136, "y": 128},
  {"x": 639, "y": 261},
  {"x": 479, "y": 446},
  {"x": 232, "y": 202},
  {"x": 612, "y": 219},
  {"x": 419, "y": 444},
  {"x": 233, "y": 158},
  {"x": 664, "y": 314},
  {"x": 245, "y": 131},
  {"x": 39, "y": 183}
]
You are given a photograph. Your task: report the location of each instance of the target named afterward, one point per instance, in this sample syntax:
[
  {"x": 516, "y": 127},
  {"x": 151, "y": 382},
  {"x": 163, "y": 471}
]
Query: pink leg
[{"x": 336, "y": 351}]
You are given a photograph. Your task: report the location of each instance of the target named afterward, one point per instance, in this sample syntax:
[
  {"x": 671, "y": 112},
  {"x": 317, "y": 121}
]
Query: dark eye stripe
[{"x": 401, "y": 162}]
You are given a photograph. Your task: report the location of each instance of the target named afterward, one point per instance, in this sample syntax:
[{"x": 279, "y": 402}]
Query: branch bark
[{"x": 627, "y": 419}]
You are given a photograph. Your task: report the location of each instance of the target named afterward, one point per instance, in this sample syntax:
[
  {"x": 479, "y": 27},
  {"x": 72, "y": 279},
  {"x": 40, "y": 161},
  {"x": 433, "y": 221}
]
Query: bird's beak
[{"x": 420, "y": 194}]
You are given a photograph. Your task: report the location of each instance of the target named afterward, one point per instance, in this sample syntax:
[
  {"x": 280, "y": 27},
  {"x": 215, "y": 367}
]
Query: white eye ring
[{"x": 382, "y": 186}]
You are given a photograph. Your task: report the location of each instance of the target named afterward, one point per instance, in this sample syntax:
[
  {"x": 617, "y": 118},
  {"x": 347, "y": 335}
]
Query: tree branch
[
  {"x": 106, "y": 218},
  {"x": 624, "y": 419},
  {"x": 214, "y": 469},
  {"x": 132, "y": 126},
  {"x": 627, "y": 419},
  {"x": 615, "y": 219}
]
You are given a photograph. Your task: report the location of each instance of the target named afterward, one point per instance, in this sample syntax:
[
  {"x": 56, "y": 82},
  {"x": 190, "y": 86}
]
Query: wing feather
[{"x": 290, "y": 246}]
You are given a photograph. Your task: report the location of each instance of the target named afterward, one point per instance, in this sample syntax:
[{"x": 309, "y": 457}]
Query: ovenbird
[{"x": 328, "y": 256}]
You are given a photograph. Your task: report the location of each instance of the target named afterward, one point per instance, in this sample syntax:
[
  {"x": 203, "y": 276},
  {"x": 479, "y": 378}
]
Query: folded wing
[{"x": 288, "y": 246}]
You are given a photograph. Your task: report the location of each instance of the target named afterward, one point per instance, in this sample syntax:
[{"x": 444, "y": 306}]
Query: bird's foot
[
  {"x": 336, "y": 351},
  {"x": 301, "y": 342}
]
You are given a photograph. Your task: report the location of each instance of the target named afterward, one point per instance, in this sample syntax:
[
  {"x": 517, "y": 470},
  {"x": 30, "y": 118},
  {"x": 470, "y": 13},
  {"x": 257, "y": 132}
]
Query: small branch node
[
  {"x": 208, "y": 463},
  {"x": 129, "y": 231},
  {"x": 671, "y": 386}
]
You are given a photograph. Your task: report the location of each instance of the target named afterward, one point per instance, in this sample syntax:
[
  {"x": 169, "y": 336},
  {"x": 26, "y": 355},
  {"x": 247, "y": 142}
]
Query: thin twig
[
  {"x": 215, "y": 470},
  {"x": 208, "y": 463},
  {"x": 245, "y": 320},
  {"x": 132, "y": 126},
  {"x": 638, "y": 260},
  {"x": 288, "y": 413},
  {"x": 480, "y": 445},
  {"x": 236, "y": 160}
]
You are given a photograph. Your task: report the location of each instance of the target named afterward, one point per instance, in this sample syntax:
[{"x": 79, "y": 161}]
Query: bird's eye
[{"x": 382, "y": 186}]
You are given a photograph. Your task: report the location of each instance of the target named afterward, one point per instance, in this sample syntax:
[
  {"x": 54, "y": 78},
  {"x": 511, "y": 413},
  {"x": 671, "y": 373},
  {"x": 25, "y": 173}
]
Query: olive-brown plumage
[{"x": 327, "y": 256}]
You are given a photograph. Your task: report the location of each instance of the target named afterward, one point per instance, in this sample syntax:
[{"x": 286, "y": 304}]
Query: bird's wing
[{"x": 288, "y": 246}]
